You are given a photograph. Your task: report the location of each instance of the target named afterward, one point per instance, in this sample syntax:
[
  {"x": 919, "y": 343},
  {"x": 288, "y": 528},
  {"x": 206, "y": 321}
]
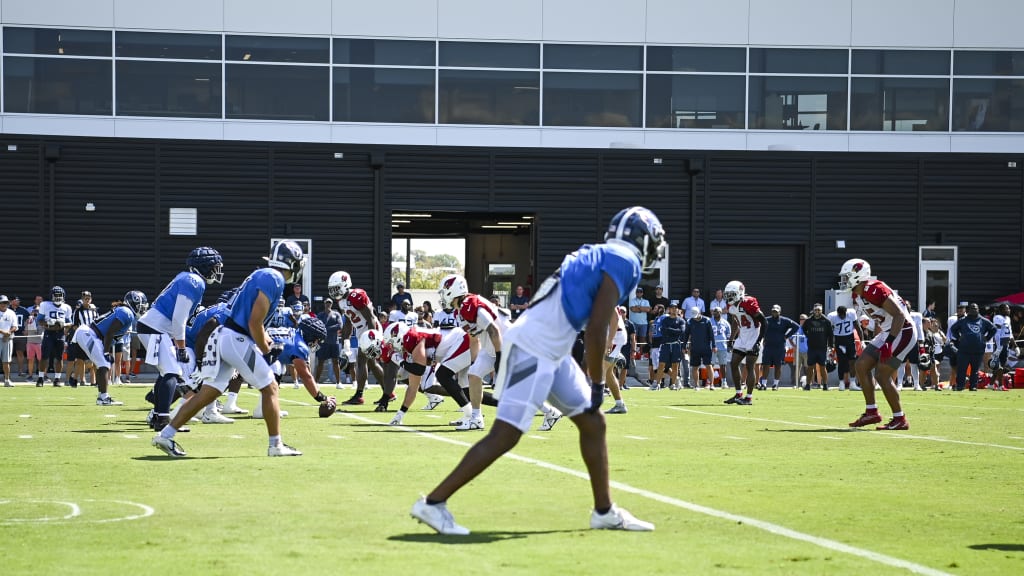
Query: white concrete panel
[
  {"x": 895, "y": 23},
  {"x": 591, "y": 138},
  {"x": 384, "y": 134},
  {"x": 67, "y": 13},
  {"x": 308, "y": 17},
  {"x": 804, "y": 140},
  {"x": 473, "y": 136},
  {"x": 520, "y": 20},
  {"x": 800, "y": 22},
  {"x": 696, "y": 140},
  {"x": 1001, "y": 143},
  {"x": 169, "y": 128},
  {"x": 989, "y": 24},
  {"x": 190, "y": 15},
  {"x": 595, "y": 20},
  {"x": 899, "y": 142},
  {"x": 697, "y": 22},
  {"x": 62, "y": 125},
  {"x": 277, "y": 131},
  {"x": 385, "y": 18}
]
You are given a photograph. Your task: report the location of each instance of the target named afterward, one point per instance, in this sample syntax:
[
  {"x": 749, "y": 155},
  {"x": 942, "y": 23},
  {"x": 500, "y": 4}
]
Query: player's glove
[
  {"x": 596, "y": 396},
  {"x": 397, "y": 420},
  {"x": 272, "y": 355},
  {"x": 497, "y": 364},
  {"x": 108, "y": 357},
  {"x": 756, "y": 348},
  {"x": 182, "y": 354}
]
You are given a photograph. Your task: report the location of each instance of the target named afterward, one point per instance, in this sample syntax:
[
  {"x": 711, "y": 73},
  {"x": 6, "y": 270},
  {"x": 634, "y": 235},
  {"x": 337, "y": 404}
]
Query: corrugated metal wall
[{"x": 883, "y": 205}]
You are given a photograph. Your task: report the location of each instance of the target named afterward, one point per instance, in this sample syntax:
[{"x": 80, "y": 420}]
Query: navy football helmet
[
  {"x": 287, "y": 257},
  {"x": 206, "y": 262},
  {"x": 227, "y": 295},
  {"x": 136, "y": 300},
  {"x": 57, "y": 295},
  {"x": 639, "y": 228},
  {"x": 313, "y": 331}
]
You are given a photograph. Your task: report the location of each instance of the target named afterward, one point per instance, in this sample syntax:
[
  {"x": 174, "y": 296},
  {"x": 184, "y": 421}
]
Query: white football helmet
[
  {"x": 339, "y": 284},
  {"x": 370, "y": 343},
  {"x": 734, "y": 291},
  {"x": 452, "y": 287},
  {"x": 394, "y": 334},
  {"x": 853, "y": 272}
]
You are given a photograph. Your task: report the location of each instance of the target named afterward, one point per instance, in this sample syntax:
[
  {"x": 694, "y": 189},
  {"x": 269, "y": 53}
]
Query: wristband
[
  {"x": 320, "y": 396},
  {"x": 890, "y": 339}
]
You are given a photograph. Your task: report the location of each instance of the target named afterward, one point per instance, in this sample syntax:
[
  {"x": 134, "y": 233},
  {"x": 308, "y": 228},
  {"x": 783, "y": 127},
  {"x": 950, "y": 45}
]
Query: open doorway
[{"x": 495, "y": 252}]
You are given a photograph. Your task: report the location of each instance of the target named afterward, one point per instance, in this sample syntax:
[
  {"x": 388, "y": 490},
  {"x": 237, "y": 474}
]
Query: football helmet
[
  {"x": 734, "y": 292},
  {"x": 924, "y": 361},
  {"x": 227, "y": 295},
  {"x": 297, "y": 307},
  {"x": 136, "y": 300},
  {"x": 639, "y": 228},
  {"x": 452, "y": 287},
  {"x": 206, "y": 262},
  {"x": 339, "y": 284},
  {"x": 313, "y": 331},
  {"x": 394, "y": 334},
  {"x": 370, "y": 343},
  {"x": 287, "y": 257},
  {"x": 853, "y": 272},
  {"x": 830, "y": 365},
  {"x": 57, "y": 295}
]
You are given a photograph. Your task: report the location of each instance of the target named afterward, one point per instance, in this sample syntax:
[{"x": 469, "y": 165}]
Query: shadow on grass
[
  {"x": 163, "y": 458},
  {"x": 1002, "y": 547},
  {"x": 815, "y": 430},
  {"x": 385, "y": 425},
  {"x": 485, "y": 537}
]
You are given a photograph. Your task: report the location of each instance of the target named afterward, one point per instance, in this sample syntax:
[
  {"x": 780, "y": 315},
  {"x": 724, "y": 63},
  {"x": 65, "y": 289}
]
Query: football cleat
[
  {"x": 382, "y": 406},
  {"x": 282, "y": 450},
  {"x": 745, "y": 401},
  {"x": 472, "y": 424},
  {"x": 433, "y": 401},
  {"x": 617, "y": 409},
  {"x": 437, "y": 517},
  {"x": 214, "y": 417},
  {"x": 734, "y": 399},
  {"x": 355, "y": 400},
  {"x": 168, "y": 446},
  {"x": 234, "y": 409},
  {"x": 618, "y": 519},
  {"x": 897, "y": 423},
  {"x": 550, "y": 419},
  {"x": 108, "y": 401},
  {"x": 866, "y": 419}
]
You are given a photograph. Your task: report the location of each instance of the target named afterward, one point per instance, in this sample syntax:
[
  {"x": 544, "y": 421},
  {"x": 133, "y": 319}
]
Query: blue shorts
[
  {"x": 698, "y": 357},
  {"x": 641, "y": 329},
  {"x": 671, "y": 353},
  {"x": 773, "y": 357},
  {"x": 817, "y": 357}
]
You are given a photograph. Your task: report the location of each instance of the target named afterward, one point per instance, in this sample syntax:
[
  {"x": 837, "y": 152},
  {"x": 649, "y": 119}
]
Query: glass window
[
  {"x": 278, "y": 92},
  {"x": 575, "y": 99},
  {"x": 971, "y": 63},
  {"x": 53, "y": 41},
  {"x": 182, "y": 89},
  {"x": 691, "y": 101},
  {"x": 161, "y": 45},
  {"x": 982, "y": 105},
  {"x": 796, "y": 103},
  {"x": 384, "y": 52},
  {"x": 489, "y": 97},
  {"x": 57, "y": 86},
  {"x": 277, "y": 49},
  {"x": 687, "y": 59},
  {"x": 798, "y": 61},
  {"x": 901, "y": 62},
  {"x": 593, "y": 57},
  {"x": 488, "y": 55},
  {"x": 900, "y": 104},
  {"x": 383, "y": 95}
]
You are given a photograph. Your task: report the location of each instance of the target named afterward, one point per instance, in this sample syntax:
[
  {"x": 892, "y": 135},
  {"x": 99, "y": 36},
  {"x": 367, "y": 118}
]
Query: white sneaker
[
  {"x": 617, "y": 409},
  {"x": 437, "y": 517},
  {"x": 234, "y": 409},
  {"x": 854, "y": 387},
  {"x": 550, "y": 419},
  {"x": 214, "y": 417},
  {"x": 433, "y": 401},
  {"x": 297, "y": 386},
  {"x": 339, "y": 386},
  {"x": 917, "y": 388},
  {"x": 618, "y": 519},
  {"x": 258, "y": 412},
  {"x": 396, "y": 420},
  {"x": 108, "y": 401},
  {"x": 472, "y": 424},
  {"x": 282, "y": 449},
  {"x": 7, "y": 384},
  {"x": 168, "y": 446}
]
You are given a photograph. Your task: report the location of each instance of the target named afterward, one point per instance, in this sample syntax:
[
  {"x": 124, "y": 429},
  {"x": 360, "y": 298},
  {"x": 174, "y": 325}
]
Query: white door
[{"x": 937, "y": 279}]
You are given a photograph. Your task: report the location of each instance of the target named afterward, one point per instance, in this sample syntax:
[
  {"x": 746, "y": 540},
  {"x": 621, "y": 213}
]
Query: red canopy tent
[{"x": 1017, "y": 298}]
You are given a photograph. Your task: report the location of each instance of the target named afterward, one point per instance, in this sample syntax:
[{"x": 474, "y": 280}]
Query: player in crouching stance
[
  {"x": 536, "y": 364},
  {"x": 416, "y": 346},
  {"x": 883, "y": 354},
  {"x": 97, "y": 338},
  {"x": 242, "y": 344}
]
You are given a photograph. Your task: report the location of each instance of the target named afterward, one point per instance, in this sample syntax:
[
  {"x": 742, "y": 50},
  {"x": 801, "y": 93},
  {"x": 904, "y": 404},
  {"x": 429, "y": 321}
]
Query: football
[{"x": 327, "y": 407}]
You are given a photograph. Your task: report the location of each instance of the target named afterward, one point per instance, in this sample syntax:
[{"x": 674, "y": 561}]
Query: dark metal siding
[
  {"x": 771, "y": 274},
  {"x": 25, "y": 255}
]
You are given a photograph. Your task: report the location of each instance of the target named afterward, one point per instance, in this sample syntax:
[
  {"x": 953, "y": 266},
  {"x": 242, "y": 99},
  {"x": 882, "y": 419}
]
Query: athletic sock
[
  {"x": 475, "y": 413},
  {"x": 871, "y": 408},
  {"x": 275, "y": 440}
]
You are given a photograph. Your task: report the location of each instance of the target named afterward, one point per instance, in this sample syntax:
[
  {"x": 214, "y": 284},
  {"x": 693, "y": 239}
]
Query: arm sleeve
[{"x": 182, "y": 309}]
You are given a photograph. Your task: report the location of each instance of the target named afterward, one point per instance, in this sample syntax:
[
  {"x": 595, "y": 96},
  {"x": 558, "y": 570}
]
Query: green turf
[{"x": 789, "y": 460}]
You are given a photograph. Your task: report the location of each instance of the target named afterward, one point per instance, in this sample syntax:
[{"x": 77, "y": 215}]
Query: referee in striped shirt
[{"x": 83, "y": 315}]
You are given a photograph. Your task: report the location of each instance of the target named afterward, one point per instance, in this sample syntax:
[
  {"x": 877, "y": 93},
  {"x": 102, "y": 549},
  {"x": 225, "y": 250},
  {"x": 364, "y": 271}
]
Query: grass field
[{"x": 780, "y": 487}]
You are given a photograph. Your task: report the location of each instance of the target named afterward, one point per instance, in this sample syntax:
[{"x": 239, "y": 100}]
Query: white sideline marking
[
  {"x": 236, "y": 436},
  {"x": 25, "y": 437},
  {"x": 431, "y": 415},
  {"x": 110, "y": 415},
  {"x": 131, "y": 436},
  {"x": 1016, "y": 437},
  {"x": 817, "y": 417},
  {"x": 888, "y": 434},
  {"x": 666, "y": 417},
  {"x": 336, "y": 437},
  {"x": 734, "y": 437},
  {"x": 637, "y": 438},
  {"x": 970, "y": 418},
  {"x": 534, "y": 436},
  {"x": 24, "y": 416},
  {"x": 830, "y": 437},
  {"x": 761, "y": 524}
]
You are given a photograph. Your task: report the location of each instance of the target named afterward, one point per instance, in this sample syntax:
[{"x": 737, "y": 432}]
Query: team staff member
[{"x": 820, "y": 340}]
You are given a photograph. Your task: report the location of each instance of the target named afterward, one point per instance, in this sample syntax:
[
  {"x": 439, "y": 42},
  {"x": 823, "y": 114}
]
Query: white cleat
[
  {"x": 433, "y": 401},
  {"x": 214, "y": 417},
  {"x": 234, "y": 409},
  {"x": 282, "y": 450},
  {"x": 472, "y": 424},
  {"x": 258, "y": 412},
  {"x": 168, "y": 446},
  {"x": 396, "y": 420},
  {"x": 437, "y": 517},
  {"x": 618, "y": 519},
  {"x": 550, "y": 419},
  {"x": 108, "y": 401}
]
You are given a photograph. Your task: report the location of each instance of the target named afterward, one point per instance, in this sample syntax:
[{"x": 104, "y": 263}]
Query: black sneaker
[
  {"x": 39, "y": 382},
  {"x": 72, "y": 382},
  {"x": 735, "y": 399},
  {"x": 355, "y": 400},
  {"x": 744, "y": 401},
  {"x": 382, "y": 405},
  {"x": 57, "y": 384},
  {"x": 159, "y": 422},
  {"x": 807, "y": 387}
]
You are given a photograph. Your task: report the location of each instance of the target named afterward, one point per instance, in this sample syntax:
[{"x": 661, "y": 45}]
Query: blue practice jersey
[
  {"x": 294, "y": 348},
  {"x": 264, "y": 280},
  {"x": 582, "y": 273},
  {"x": 176, "y": 304},
  {"x": 122, "y": 313},
  {"x": 218, "y": 311}
]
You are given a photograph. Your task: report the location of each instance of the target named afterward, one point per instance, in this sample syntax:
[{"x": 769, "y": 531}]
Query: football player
[
  {"x": 97, "y": 338},
  {"x": 242, "y": 345},
  {"x": 54, "y": 316},
  {"x": 537, "y": 364},
  {"x": 748, "y": 326},
  {"x": 883, "y": 354},
  {"x": 1004, "y": 343},
  {"x": 418, "y": 346},
  {"x": 296, "y": 352},
  {"x": 357, "y": 307}
]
